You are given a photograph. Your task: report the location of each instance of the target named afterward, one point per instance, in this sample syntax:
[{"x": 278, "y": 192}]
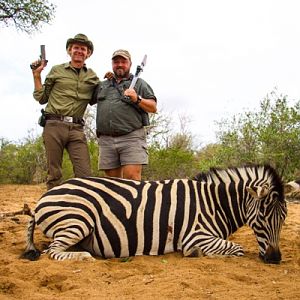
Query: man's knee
[
  {"x": 114, "y": 173},
  {"x": 137, "y": 177},
  {"x": 133, "y": 172}
]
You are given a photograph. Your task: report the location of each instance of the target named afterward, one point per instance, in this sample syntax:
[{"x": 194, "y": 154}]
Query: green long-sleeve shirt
[{"x": 66, "y": 91}]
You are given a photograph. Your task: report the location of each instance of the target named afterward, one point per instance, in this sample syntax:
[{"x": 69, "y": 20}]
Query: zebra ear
[
  {"x": 258, "y": 192},
  {"x": 292, "y": 187}
]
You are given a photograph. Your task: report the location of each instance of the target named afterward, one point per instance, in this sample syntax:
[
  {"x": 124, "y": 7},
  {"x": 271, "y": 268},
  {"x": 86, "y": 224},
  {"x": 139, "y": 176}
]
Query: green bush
[
  {"x": 170, "y": 163},
  {"x": 270, "y": 135},
  {"x": 23, "y": 163}
]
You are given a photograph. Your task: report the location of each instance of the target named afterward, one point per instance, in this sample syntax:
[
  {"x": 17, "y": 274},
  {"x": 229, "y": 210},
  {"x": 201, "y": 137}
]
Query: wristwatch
[{"x": 139, "y": 99}]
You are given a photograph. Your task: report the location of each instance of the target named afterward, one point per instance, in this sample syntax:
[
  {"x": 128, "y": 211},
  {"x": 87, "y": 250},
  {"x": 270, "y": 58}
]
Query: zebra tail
[{"x": 31, "y": 252}]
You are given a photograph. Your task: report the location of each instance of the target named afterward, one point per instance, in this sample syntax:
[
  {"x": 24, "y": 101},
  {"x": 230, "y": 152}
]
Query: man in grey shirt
[{"x": 122, "y": 138}]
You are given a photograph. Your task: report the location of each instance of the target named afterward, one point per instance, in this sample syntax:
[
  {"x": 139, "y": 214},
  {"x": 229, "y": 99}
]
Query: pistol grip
[{"x": 35, "y": 66}]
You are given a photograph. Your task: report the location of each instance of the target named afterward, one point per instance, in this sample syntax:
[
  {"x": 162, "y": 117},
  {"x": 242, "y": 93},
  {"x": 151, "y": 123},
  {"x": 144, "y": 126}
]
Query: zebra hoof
[
  {"x": 197, "y": 252},
  {"x": 82, "y": 256},
  {"x": 87, "y": 258},
  {"x": 31, "y": 255}
]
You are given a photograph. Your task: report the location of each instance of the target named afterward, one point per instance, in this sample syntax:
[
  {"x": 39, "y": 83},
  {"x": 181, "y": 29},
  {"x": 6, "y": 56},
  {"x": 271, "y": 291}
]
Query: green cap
[
  {"x": 82, "y": 39},
  {"x": 123, "y": 53}
]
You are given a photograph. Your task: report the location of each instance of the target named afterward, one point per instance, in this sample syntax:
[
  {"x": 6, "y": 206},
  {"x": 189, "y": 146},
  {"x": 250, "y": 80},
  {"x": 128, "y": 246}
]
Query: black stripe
[
  {"x": 203, "y": 188},
  {"x": 68, "y": 216},
  {"x": 148, "y": 219},
  {"x": 179, "y": 213},
  {"x": 192, "y": 209},
  {"x": 69, "y": 230},
  {"x": 164, "y": 216}
]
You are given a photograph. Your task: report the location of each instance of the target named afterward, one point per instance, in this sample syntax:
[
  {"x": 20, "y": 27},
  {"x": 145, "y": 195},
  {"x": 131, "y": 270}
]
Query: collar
[
  {"x": 69, "y": 66},
  {"x": 124, "y": 79}
]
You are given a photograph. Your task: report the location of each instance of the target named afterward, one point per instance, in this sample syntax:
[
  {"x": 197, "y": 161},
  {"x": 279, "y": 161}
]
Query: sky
[{"x": 207, "y": 60}]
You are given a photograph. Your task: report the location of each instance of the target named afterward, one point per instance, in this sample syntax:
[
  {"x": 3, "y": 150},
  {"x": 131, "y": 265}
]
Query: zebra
[{"x": 113, "y": 217}]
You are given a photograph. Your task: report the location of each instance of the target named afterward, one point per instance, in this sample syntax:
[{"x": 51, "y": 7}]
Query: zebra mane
[{"x": 234, "y": 173}]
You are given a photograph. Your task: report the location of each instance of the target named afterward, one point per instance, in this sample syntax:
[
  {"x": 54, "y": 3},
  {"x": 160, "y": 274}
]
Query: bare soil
[{"x": 146, "y": 277}]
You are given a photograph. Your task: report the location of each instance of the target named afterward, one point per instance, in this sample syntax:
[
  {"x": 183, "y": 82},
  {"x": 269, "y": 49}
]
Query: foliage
[
  {"x": 208, "y": 157},
  {"x": 26, "y": 15},
  {"x": 160, "y": 130},
  {"x": 162, "y": 133},
  {"x": 90, "y": 123},
  {"x": 170, "y": 152},
  {"x": 24, "y": 163},
  {"x": 94, "y": 154},
  {"x": 270, "y": 135},
  {"x": 170, "y": 163}
]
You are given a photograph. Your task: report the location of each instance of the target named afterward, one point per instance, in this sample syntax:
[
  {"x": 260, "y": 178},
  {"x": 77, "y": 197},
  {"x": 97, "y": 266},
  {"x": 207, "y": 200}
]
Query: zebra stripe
[{"x": 114, "y": 217}]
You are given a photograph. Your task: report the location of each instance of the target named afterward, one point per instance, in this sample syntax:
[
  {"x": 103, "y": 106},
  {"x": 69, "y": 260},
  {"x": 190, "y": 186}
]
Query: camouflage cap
[
  {"x": 82, "y": 39},
  {"x": 123, "y": 53}
]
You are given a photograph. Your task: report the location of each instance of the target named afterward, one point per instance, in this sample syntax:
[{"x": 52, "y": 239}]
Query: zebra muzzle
[{"x": 271, "y": 256}]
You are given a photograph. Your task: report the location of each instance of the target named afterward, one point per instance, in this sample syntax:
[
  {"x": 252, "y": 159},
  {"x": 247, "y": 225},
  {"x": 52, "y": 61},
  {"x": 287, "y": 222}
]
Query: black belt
[
  {"x": 109, "y": 134},
  {"x": 67, "y": 119}
]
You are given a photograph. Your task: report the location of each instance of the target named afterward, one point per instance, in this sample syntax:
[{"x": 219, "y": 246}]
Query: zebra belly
[{"x": 127, "y": 245}]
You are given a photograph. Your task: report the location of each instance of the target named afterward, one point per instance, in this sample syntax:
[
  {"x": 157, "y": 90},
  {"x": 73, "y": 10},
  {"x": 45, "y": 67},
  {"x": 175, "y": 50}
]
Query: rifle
[
  {"x": 42, "y": 57},
  {"x": 139, "y": 69}
]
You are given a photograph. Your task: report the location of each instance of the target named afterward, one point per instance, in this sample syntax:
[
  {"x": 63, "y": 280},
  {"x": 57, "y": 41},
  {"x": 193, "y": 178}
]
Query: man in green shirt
[{"x": 67, "y": 90}]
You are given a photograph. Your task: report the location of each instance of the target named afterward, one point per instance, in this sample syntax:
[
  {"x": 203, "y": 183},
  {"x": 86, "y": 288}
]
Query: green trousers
[{"x": 58, "y": 136}]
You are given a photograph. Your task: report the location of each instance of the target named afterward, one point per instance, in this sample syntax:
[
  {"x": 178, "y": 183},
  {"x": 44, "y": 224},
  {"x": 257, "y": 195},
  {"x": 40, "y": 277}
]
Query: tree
[
  {"x": 90, "y": 123},
  {"x": 160, "y": 130},
  {"x": 23, "y": 163},
  {"x": 170, "y": 163},
  {"x": 26, "y": 15},
  {"x": 270, "y": 135},
  {"x": 184, "y": 139}
]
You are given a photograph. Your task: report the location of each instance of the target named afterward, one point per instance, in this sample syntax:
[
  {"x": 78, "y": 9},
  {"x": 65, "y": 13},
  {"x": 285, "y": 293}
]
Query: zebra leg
[
  {"x": 193, "y": 252},
  {"x": 31, "y": 252},
  {"x": 210, "y": 245},
  {"x": 63, "y": 241}
]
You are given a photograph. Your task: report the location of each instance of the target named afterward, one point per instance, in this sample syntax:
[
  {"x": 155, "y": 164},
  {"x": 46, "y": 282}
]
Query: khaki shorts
[{"x": 128, "y": 149}]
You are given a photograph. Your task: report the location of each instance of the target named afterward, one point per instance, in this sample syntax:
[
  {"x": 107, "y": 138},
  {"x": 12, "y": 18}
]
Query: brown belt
[{"x": 67, "y": 119}]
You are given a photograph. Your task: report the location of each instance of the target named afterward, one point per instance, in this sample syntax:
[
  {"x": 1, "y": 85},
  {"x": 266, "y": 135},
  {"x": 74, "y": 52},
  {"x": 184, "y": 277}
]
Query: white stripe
[
  {"x": 171, "y": 221},
  {"x": 140, "y": 218},
  {"x": 156, "y": 217},
  {"x": 186, "y": 208}
]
